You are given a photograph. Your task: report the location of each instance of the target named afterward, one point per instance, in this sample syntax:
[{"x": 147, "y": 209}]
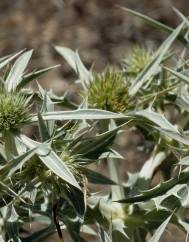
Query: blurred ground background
[{"x": 102, "y": 32}]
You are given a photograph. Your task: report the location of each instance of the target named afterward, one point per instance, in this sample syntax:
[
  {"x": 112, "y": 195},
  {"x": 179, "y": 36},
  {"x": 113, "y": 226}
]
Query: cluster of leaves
[{"x": 44, "y": 175}]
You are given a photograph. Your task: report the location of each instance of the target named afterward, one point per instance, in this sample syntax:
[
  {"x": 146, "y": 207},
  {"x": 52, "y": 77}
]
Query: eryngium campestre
[
  {"x": 14, "y": 110},
  {"x": 108, "y": 91}
]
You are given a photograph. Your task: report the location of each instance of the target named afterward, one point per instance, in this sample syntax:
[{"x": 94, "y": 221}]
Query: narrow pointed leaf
[
  {"x": 97, "y": 178},
  {"x": 80, "y": 114},
  {"x": 156, "y": 24},
  {"x": 51, "y": 160},
  {"x": 9, "y": 59},
  {"x": 152, "y": 67},
  {"x": 149, "y": 20},
  {"x": 16, "y": 163},
  {"x": 16, "y": 72},
  {"x": 158, "y": 233},
  {"x": 54, "y": 163},
  {"x": 75, "y": 62},
  {"x": 158, "y": 119},
  {"x": 33, "y": 76},
  {"x": 43, "y": 128},
  {"x": 160, "y": 189},
  {"x": 181, "y": 76}
]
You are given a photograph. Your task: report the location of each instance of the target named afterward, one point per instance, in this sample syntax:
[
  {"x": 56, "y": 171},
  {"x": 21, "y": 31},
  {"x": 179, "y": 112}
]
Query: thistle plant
[{"x": 45, "y": 178}]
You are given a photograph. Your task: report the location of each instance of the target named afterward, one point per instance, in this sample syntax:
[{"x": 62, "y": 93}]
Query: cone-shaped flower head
[
  {"x": 137, "y": 60},
  {"x": 14, "y": 110},
  {"x": 108, "y": 91},
  {"x": 70, "y": 162}
]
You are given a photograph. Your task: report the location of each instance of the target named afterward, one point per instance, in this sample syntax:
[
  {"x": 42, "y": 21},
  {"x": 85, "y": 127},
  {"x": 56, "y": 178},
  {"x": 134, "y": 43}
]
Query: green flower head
[
  {"x": 108, "y": 91},
  {"x": 137, "y": 60},
  {"x": 14, "y": 110},
  {"x": 69, "y": 160}
]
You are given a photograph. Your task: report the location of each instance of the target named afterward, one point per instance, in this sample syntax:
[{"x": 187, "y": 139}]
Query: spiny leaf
[
  {"x": 43, "y": 128},
  {"x": 157, "y": 118},
  {"x": 33, "y": 76},
  {"x": 16, "y": 72},
  {"x": 159, "y": 190},
  {"x": 16, "y": 163},
  {"x": 181, "y": 76},
  {"x": 8, "y": 59},
  {"x": 75, "y": 62},
  {"x": 94, "y": 146},
  {"x": 97, "y": 178},
  {"x": 158, "y": 233},
  {"x": 156, "y": 24},
  {"x": 152, "y": 67},
  {"x": 80, "y": 114},
  {"x": 51, "y": 160}
]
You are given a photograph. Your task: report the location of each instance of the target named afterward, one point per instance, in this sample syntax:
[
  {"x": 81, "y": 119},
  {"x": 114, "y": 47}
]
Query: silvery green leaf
[
  {"x": 16, "y": 73},
  {"x": 92, "y": 147},
  {"x": 16, "y": 163},
  {"x": 184, "y": 161},
  {"x": 96, "y": 177},
  {"x": 54, "y": 163},
  {"x": 2, "y": 151},
  {"x": 75, "y": 62},
  {"x": 158, "y": 119},
  {"x": 47, "y": 106},
  {"x": 33, "y": 76},
  {"x": 181, "y": 15},
  {"x": 181, "y": 76},
  {"x": 158, "y": 233},
  {"x": 178, "y": 191},
  {"x": 61, "y": 100},
  {"x": 182, "y": 101},
  {"x": 11, "y": 224},
  {"x": 104, "y": 237},
  {"x": 152, "y": 67},
  {"x": 149, "y": 20},
  {"x": 111, "y": 154},
  {"x": 156, "y": 24},
  {"x": 6, "y": 60},
  {"x": 43, "y": 149},
  {"x": 51, "y": 160},
  {"x": 88, "y": 230},
  {"x": 80, "y": 114},
  {"x": 180, "y": 137},
  {"x": 151, "y": 165},
  {"x": 44, "y": 132},
  {"x": 160, "y": 189}
]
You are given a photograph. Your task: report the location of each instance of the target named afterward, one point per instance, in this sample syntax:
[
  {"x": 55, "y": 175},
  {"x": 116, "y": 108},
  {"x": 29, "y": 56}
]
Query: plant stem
[{"x": 60, "y": 235}]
